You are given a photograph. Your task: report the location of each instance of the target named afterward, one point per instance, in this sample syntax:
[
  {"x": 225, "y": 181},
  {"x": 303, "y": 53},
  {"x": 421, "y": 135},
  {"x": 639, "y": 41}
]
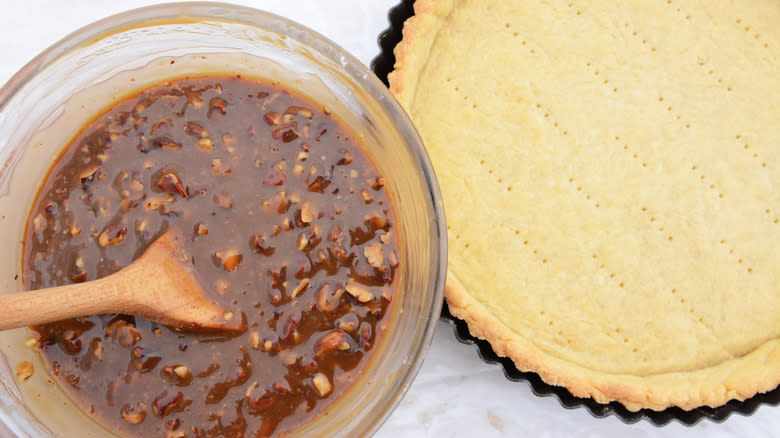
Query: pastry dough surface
[{"x": 610, "y": 177}]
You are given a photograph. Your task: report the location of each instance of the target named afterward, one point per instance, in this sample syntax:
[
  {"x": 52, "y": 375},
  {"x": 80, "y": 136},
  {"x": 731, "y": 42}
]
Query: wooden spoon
[{"x": 160, "y": 285}]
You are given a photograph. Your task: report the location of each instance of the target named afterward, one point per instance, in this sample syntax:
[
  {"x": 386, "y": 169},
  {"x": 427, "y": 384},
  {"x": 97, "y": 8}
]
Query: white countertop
[{"x": 455, "y": 394}]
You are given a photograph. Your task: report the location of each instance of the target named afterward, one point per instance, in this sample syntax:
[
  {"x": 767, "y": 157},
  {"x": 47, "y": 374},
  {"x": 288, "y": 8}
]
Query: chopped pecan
[
  {"x": 165, "y": 143},
  {"x": 228, "y": 259},
  {"x": 377, "y": 183},
  {"x": 258, "y": 244},
  {"x": 319, "y": 184},
  {"x": 362, "y": 294},
  {"x": 254, "y": 340},
  {"x": 201, "y": 229},
  {"x": 302, "y": 242},
  {"x": 133, "y": 414},
  {"x": 88, "y": 174},
  {"x": 195, "y": 129},
  {"x": 217, "y": 104},
  {"x": 97, "y": 348},
  {"x": 349, "y": 322},
  {"x": 300, "y": 288},
  {"x": 70, "y": 343},
  {"x": 179, "y": 375},
  {"x": 168, "y": 181},
  {"x": 300, "y": 111},
  {"x": 80, "y": 277},
  {"x": 328, "y": 297},
  {"x": 272, "y": 118},
  {"x": 322, "y": 384},
  {"x": 166, "y": 404},
  {"x": 279, "y": 200},
  {"x": 377, "y": 223},
  {"x": 333, "y": 340},
  {"x": 290, "y": 328},
  {"x": 374, "y": 255},
  {"x": 145, "y": 360},
  {"x": 112, "y": 235},
  {"x": 346, "y": 159},
  {"x": 366, "y": 335},
  {"x": 155, "y": 202},
  {"x": 366, "y": 195},
  {"x": 307, "y": 214},
  {"x": 287, "y": 132},
  {"x": 205, "y": 144},
  {"x": 287, "y": 224},
  {"x": 270, "y": 343}
]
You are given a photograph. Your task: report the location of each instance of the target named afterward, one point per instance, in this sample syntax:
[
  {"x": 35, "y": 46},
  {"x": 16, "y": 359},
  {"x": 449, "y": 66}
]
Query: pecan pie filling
[{"x": 288, "y": 222}]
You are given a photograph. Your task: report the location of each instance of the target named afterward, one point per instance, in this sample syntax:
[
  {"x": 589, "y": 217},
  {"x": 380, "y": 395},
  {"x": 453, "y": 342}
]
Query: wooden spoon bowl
[{"x": 160, "y": 285}]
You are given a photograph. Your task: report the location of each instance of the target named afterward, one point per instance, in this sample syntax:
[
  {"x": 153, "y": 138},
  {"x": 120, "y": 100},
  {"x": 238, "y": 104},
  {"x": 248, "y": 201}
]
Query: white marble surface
[{"x": 455, "y": 394}]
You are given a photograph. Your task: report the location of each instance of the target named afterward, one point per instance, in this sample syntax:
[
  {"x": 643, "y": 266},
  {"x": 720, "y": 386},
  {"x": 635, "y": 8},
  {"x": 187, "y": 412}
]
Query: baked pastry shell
[{"x": 471, "y": 333}]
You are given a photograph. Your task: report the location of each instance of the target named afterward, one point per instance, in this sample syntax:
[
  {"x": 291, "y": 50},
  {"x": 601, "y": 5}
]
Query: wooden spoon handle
[{"x": 38, "y": 307}]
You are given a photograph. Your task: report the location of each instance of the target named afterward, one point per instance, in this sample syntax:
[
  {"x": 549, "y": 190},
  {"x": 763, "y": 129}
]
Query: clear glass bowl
[{"x": 46, "y": 103}]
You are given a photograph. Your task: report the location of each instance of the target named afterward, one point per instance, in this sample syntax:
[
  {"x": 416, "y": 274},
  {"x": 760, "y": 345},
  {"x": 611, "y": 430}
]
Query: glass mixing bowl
[{"x": 44, "y": 105}]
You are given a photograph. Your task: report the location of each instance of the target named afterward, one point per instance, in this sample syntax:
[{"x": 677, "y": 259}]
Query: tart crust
[{"x": 648, "y": 275}]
